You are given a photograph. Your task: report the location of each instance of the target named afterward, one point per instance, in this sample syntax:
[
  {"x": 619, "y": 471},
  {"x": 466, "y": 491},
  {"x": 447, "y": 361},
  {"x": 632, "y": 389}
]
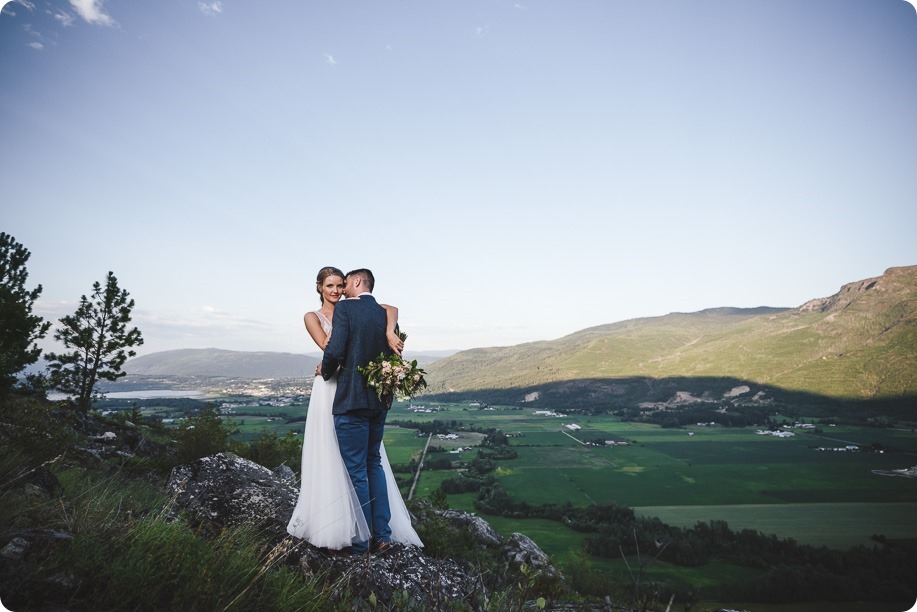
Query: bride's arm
[
  {"x": 391, "y": 322},
  {"x": 314, "y": 327}
]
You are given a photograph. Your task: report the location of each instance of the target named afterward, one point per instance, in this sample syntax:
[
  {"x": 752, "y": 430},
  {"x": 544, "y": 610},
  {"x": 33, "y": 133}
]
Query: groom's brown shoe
[{"x": 381, "y": 547}]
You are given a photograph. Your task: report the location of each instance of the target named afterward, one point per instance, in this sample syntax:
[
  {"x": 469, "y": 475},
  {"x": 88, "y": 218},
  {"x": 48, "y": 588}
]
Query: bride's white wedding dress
[{"x": 328, "y": 513}]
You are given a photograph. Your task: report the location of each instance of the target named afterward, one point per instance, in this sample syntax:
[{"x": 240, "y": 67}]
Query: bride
[{"x": 327, "y": 513}]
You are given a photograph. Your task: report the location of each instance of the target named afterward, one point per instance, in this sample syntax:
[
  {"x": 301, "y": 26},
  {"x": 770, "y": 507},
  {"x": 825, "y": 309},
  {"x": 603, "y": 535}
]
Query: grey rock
[
  {"x": 479, "y": 528},
  {"x": 16, "y": 549},
  {"x": 65, "y": 582},
  {"x": 434, "y": 584},
  {"x": 521, "y": 549},
  {"x": 45, "y": 480},
  {"x": 36, "y": 491},
  {"x": 226, "y": 490},
  {"x": 286, "y": 475}
]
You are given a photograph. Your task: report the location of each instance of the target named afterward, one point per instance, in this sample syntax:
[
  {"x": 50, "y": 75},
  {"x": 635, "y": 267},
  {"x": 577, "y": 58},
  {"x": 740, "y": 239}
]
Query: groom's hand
[{"x": 318, "y": 369}]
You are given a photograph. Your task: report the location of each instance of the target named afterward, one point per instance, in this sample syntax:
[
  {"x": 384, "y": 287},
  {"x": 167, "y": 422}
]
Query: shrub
[
  {"x": 202, "y": 436},
  {"x": 271, "y": 450}
]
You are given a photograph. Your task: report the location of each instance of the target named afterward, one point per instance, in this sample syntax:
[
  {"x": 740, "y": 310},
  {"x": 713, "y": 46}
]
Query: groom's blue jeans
[{"x": 359, "y": 438}]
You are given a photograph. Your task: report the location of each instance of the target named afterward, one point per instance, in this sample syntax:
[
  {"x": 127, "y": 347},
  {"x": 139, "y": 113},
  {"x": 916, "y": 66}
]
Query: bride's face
[{"x": 332, "y": 289}]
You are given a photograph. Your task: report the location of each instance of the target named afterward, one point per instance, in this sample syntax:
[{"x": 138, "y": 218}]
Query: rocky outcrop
[
  {"x": 478, "y": 527},
  {"x": 521, "y": 550},
  {"x": 225, "y": 490},
  {"x": 101, "y": 440}
]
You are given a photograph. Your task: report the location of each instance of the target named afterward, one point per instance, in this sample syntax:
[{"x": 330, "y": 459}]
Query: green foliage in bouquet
[{"x": 393, "y": 376}]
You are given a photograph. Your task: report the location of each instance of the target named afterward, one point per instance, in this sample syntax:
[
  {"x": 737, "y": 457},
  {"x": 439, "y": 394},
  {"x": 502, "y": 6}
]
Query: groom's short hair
[{"x": 368, "y": 279}]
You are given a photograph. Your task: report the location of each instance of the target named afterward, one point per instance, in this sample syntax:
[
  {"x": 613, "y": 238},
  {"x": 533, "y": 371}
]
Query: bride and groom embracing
[{"x": 348, "y": 498}]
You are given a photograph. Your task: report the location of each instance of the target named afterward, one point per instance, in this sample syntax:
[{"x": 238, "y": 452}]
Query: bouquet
[{"x": 393, "y": 376}]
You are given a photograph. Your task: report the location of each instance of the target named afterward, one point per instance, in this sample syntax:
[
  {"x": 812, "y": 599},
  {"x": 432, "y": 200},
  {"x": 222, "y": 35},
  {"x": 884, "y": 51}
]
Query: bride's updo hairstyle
[{"x": 322, "y": 275}]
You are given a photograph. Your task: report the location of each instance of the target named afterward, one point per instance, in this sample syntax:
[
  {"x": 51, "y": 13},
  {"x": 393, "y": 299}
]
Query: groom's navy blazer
[{"x": 357, "y": 337}]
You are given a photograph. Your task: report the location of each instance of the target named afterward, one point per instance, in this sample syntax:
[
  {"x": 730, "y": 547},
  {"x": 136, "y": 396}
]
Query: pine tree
[
  {"x": 19, "y": 328},
  {"x": 101, "y": 342}
]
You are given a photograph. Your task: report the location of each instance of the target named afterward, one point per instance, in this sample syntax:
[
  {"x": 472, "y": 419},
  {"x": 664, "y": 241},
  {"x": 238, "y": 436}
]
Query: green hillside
[{"x": 860, "y": 343}]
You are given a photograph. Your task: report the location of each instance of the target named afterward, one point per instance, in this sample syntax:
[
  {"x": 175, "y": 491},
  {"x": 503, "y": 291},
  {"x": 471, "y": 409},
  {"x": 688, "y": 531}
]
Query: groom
[{"x": 357, "y": 338}]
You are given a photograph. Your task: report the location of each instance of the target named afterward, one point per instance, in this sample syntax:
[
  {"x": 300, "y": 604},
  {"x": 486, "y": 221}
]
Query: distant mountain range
[
  {"x": 859, "y": 343},
  {"x": 222, "y": 363},
  {"x": 213, "y": 362}
]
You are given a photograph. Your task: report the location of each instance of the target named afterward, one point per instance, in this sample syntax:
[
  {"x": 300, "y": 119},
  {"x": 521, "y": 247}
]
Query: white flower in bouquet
[{"x": 392, "y": 376}]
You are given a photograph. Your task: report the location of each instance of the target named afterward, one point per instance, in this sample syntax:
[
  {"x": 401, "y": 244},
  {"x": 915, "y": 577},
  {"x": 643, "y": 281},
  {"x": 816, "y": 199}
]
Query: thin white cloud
[
  {"x": 211, "y": 8},
  {"x": 521, "y": 7},
  {"x": 11, "y": 11},
  {"x": 481, "y": 31},
  {"x": 65, "y": 19},
  {"x": 93, "y": 12},
  {"x": 40, "y": 41},
  {"x": 329, "y": 59}
]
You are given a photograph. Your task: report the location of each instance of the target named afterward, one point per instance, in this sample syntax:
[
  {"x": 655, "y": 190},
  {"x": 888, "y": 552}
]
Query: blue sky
[{"x": 511, "y": 171}]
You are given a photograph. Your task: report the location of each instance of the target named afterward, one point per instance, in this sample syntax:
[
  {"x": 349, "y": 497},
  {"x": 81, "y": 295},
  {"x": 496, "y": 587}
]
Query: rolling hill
[
  {"x": 218, "y": 362},
  {"x": 860, "y": 343}
]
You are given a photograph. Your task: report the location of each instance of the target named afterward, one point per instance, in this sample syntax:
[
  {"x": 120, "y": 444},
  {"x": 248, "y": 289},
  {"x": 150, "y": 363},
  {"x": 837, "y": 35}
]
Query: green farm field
[{"x": 781, "y": 486}]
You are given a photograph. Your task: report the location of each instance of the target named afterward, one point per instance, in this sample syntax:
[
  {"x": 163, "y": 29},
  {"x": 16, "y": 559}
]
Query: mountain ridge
[{"x": 858, "y": 343}]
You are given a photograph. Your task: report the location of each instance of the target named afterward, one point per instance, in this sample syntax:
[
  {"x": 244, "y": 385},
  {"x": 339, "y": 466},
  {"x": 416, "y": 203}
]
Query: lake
[{"x": 141, "y": 394}]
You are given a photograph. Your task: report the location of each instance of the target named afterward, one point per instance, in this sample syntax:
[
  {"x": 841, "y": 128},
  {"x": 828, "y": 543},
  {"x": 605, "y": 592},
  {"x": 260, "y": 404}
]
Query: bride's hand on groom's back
[{"x": 395, "y": 342}]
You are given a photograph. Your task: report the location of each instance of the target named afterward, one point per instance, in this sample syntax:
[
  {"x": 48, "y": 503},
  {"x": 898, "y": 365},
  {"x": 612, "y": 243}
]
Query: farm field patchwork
[{"x": 707, "y": 468}]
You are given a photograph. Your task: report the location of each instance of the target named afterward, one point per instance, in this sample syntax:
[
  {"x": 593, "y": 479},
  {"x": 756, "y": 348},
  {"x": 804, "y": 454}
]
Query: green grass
[
  {"x": 125, "y": 553},
  {"x": 402, "y": 445},
  {"x": 430, "y": 481},
  {"x": 544, "y": 438},
  {"x": 148, "y": 566},
  {"x": 555, "y": 539}
]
